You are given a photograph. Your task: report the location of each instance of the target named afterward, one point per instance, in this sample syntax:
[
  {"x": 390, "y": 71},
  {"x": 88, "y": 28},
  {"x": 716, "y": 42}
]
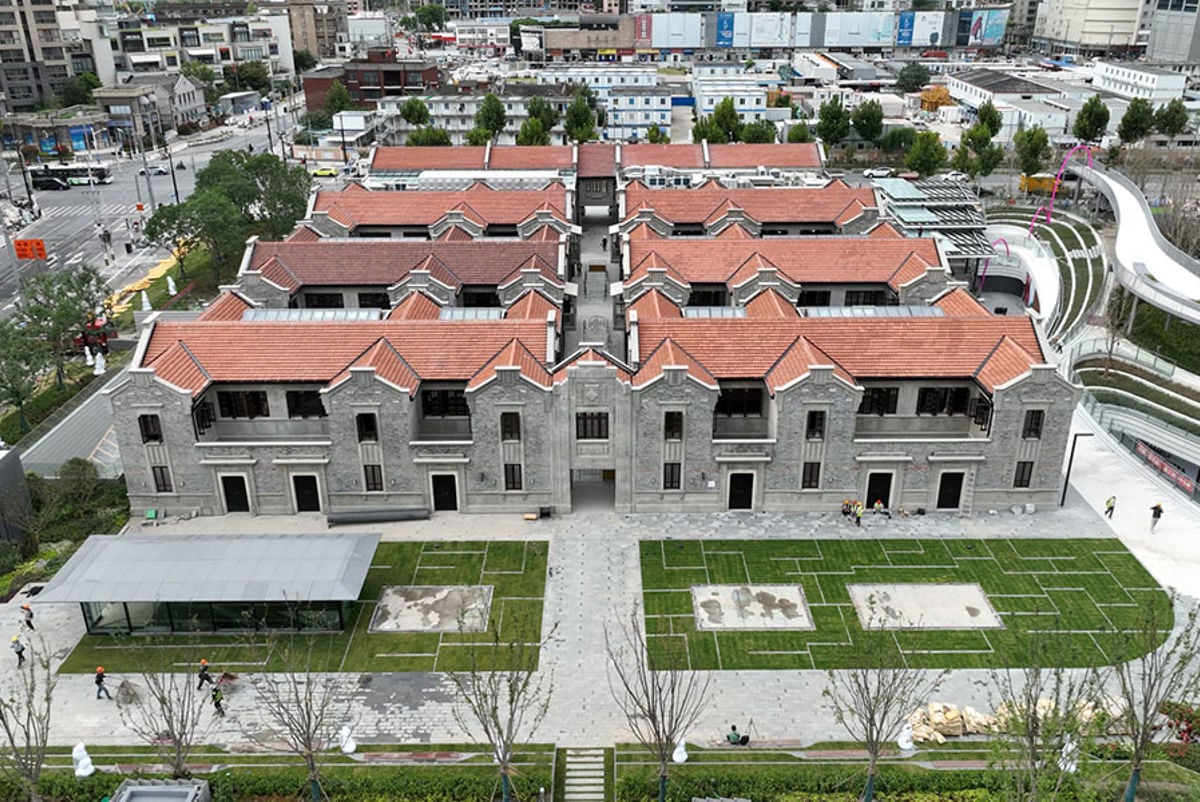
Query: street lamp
[{"x": 1071, "y": 461}]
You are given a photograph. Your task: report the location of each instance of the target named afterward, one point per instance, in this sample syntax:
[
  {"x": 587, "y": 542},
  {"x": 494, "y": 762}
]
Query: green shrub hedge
[
  {"x": 39, "y": 408},
  {"x": 342, "y": 784}
]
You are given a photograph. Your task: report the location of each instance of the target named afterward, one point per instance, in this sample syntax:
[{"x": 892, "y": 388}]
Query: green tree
[
  {"x": 927, "y": 154},
  {"x": 898, "y": 140},
  {"x": 725, "y": 119},
  {"x": 250, "y": 76},
  {"x": 867, "y": 120},
  {"x": 316, "y": 120},
  {"x": 990, "y": 116},
  {"x": 478, "y": 137},
  {"x": 1137, "y": 122},
  {"x": 57, "y": 306},
  {"x": 1032, "y": 146},
  {"x": 656, "y": 136},
  {"x": 912, "y": 78},
  {"x": 270, "y": 195},
  {"x": 23, "y": 356},
  {"x": 833, "y": 121},
  {"x": 799, "y": 133},
  {"x": 1092, "y": 120},
  {"x": 580, "y": 120},
  {"x": 976, "y": 155},
  {"x": 544, "y": 111},
  {"x": 203, "y": 76},
  {"x": 1172, "y": 119},
  {"x": 491, "y": 115},
  {"x": 207, "y": 219},
  {"x": 338, "y": 98},
  {"x": 428, "y": 137},
  {"x": 760, "y": 132},
  {"x": 304, "y": 60},
  {"x": 704, "y": 131},
  {"x": 415, "y": 112},
  {"x": 532, "y": 133},
  {"x": 78, "y": 91},
  {"x": 431, "y": 16}
]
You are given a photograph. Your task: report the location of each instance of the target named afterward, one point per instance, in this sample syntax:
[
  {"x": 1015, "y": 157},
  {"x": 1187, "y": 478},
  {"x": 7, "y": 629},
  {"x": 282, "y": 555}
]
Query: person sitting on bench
[{"x": 735, "y": 738}]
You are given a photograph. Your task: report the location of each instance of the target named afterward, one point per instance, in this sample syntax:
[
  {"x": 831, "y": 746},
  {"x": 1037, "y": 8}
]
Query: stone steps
[{"x": 585, "y": 781}]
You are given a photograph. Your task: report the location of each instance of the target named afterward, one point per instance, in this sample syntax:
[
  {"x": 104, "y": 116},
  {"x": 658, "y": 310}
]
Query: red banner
[{"x": 1168, "y": 471}]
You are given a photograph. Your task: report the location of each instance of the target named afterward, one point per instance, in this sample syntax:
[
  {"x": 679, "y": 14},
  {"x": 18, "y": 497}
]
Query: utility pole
[{"x": 146, "y": 170}]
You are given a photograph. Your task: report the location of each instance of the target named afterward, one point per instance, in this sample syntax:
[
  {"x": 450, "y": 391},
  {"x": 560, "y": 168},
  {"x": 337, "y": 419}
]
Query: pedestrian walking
[
  {"x": 217, "y": 698},
  {"x": 858, "y": 514},
  {"x": 204, "y": 675},
  {"x": 18, "y": 649},
  {"x": 27, "y": 613},
  {"x": 1155, "y": 514},
  {"x": 1109, "y": 506},
  {"x": 604, "y": 243},
  {"x": 101, "y": 688}
]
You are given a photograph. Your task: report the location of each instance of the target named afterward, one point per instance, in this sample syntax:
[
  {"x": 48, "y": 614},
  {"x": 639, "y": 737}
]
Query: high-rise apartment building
[
  {"x": 318, "y": 25},
  {"x": 36, "y": 55}
]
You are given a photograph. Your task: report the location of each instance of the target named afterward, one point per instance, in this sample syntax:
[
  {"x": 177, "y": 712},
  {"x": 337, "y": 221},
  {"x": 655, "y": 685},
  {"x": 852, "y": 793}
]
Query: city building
[
  {"x": 368, "y": 29},
  {"x": 36, "y": 58},
  {"x": 949, "y": 211},
  {"x": 79, "y": 127},
  {"x": 1131, "y": 80},
  {"x": 486, "y": 37},
  {"x": 377, "y": 76},
  {"x": 459, "y": 167},
  {"x": 144, "y": 45},
  {"x": 632, "y": 111},
  {"x": 454, "y": 113},
  {"x": 1092, "y": 27},
  {"x": 318, "y": 26},
  {"x": 600, "y": 78},
  {"x": 976, "y": 87},
  {"x": 181, "y": 99},
  {"x": 750, "y": 95},
  {"x": 132, "y": 112}
]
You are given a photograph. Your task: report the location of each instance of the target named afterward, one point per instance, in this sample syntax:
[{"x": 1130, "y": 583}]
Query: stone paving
[{"x": 594, "y": 578}]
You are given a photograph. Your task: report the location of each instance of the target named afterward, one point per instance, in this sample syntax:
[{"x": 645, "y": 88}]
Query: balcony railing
[
  {"x": 917, "y": 427},
  {"x": 444, "y": 429},
  {"x": 267, "y": 429},
  {"x": 740, "y": 428}
]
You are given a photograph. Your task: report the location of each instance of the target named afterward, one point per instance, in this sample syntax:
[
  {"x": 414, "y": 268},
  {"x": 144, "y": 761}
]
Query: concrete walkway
[{"x": 594, "y": 577}]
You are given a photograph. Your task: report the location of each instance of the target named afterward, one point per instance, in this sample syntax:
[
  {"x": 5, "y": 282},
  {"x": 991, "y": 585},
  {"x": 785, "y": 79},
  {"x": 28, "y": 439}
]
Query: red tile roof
[
  {"x": 597, "y": 160},
  {"x": 448, "y": 157},
  {"x": 960, "y": 303},
  {"x": 683, "y": 156},
  {"x": 387, "y": 364},
  {"x": 588, "y": 356},
  {"x": 743, "y": 155},
  {"x": 227, "y": 306},
  {"x": 668, "y": 354},
  {"x": 770, "y": 304},
  {"x": 885, "y": 231},
  {"x": 303, "y": 234},
  {"x": 383, "y": 262},
  {"x": 416, "y": 306},
  {"x": 513, "y": 355},
  {"x": 531, "y": 157},
  {"x": 455, "y": 234},
  {"x": 735, "y": 231},
  {"x": 806, "y": 260},
  {"x": 654, "y": 304},
  {"x": 310, "y": 351},
  {"x": 767, "y": 205},
  {"x": 943, "y": 347},
  {"x": 179, "y": 367},
  {"x": 533, "y": 306},
  {"x": 797, "y": 362},
  {"x": 424, "y": 208},
  {"x": 643, "y": 231}
]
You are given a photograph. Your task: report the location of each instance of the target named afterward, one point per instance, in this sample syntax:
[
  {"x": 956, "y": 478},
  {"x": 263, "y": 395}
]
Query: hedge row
[
  {"x": 342, "y": 784},
  {"x": 38, "y": 408},
  {"x": 827, "y": 783}
]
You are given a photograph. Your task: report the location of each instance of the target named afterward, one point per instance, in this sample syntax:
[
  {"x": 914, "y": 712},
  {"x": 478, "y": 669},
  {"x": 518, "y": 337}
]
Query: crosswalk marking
[{"x": 108, "y": 210}]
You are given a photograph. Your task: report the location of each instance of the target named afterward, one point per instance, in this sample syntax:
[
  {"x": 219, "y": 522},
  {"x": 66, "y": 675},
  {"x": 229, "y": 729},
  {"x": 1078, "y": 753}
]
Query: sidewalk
[{"x": 595, "y": 575}]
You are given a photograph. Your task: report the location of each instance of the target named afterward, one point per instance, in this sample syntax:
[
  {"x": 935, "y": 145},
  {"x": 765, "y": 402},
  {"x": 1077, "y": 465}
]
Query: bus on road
[{"x": 76, "y": 173}]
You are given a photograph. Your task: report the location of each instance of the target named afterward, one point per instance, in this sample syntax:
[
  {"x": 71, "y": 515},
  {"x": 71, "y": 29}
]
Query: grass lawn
[
  {"x": 1083, "y": 591},
  {"x": 515, "y": 569}
]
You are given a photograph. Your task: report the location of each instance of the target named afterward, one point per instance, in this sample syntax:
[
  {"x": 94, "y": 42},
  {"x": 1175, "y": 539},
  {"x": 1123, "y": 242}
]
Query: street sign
[
  {"x": 30, "y": 248},
  {"x": 141, "y": 207}
]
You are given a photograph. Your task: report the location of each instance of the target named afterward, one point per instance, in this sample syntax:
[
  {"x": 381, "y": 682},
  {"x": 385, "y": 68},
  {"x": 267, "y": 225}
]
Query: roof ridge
[{"x": 195, "y": 359}]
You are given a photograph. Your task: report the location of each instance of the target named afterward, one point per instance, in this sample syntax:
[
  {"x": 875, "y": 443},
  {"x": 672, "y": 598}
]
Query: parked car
[
  {"x": 877, "y": 172},
  {"x": 157, "y": 169},
  {"x": 49, "y": 182},
  {"x": 954, "y": 175},
  {"x": 325, "y": 171}
]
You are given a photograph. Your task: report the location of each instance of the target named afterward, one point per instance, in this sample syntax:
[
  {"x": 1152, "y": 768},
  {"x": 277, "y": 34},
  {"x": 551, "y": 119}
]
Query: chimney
[
  {"x": 551, "y": 338},
  {"x": 634, "y": 356}
]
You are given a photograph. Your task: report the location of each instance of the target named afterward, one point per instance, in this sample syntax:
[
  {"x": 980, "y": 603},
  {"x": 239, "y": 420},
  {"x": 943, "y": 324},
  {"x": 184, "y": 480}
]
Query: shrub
[
  {"x": 39, "y": 408},
  {"x": 186, "y": 129}
]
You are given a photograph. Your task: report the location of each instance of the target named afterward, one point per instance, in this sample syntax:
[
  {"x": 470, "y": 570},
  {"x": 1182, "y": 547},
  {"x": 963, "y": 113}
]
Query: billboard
[
  {"x": 724, "y": 29},
  {"x": 859, "y": 29},
  {"x": 741, "y": 30},
  {"x": 987, "y": 27},
  {"x": 676, "y": 30},
  {"x": 769, "y": 29},
  {"x": 920, "y": 29},
  {"x": 643, "y": 28}
]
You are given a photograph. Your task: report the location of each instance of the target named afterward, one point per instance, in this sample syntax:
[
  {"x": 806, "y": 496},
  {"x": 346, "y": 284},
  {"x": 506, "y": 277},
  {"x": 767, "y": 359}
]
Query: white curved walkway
[
  {"x": 1145, "y": 263},
  {"x": 1036, "y": 260}
]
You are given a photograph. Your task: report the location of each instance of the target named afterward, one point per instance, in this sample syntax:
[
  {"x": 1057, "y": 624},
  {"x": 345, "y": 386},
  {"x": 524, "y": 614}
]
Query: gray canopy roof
[{"x": 213, "y": 568}]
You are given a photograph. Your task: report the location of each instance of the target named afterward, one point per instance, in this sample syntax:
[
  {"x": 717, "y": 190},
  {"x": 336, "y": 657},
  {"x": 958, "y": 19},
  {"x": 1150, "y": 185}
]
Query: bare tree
[
  {"x": 660, "y": 697},
  {"x": 1149, "y": 672},
  {"x": 1116, "y": 318},
  {"x": 302, "y": 707},
  {"x": 1045, "y": 715},
  {"x": 872, "y": 702},
  {"x": 166, "y": 715},
  {"x": 505, "y": 696},
  {"x": 25, "y": 720}
]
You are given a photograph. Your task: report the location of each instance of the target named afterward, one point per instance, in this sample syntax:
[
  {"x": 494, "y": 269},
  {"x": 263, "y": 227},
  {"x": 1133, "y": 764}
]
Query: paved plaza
[{"x": 594, "y": 577}]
